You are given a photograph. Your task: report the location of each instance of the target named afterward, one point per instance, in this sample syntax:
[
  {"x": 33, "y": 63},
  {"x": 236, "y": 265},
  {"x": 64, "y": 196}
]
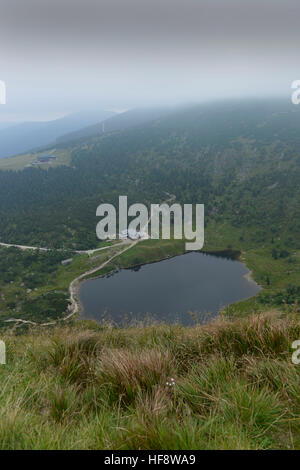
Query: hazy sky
[{"x": 62, "y": 55}]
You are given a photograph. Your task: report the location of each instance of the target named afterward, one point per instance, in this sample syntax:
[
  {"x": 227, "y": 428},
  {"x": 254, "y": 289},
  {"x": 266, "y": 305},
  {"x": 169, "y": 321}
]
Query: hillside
[
  {"x": 229, "y": 385},
  {"x": 240, "y": 159},
  {"x": 127, "y": 119}
]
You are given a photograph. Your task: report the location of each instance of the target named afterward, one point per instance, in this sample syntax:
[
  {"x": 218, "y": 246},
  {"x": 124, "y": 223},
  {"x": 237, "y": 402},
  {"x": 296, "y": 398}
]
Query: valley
[
  {"x": 246, "y": 174},
  {"x": 149, "y": 229}
]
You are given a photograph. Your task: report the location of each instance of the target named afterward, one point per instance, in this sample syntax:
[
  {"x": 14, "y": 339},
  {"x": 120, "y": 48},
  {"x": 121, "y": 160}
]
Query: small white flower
[{"x": 172, "y": 383}]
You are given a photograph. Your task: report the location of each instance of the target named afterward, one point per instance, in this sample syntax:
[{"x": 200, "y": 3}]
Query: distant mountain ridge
[
  {"x": 125, "y": 120},
  {"x": 24, "y": 137}
]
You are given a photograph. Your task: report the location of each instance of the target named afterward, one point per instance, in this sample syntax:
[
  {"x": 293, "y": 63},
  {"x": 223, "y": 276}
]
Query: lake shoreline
[
  {"x": 228, "y": 254},
  {"x": 234, "y": 255}
]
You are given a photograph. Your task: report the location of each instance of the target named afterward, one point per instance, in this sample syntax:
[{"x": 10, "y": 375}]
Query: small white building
[
  {"x": 132, "y": 234},
  {"x": 123, "y": 234}
]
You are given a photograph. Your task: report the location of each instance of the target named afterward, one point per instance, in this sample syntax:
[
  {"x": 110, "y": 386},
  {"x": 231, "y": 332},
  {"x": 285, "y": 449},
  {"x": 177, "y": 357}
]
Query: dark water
[{"x": 168, "y": 290}]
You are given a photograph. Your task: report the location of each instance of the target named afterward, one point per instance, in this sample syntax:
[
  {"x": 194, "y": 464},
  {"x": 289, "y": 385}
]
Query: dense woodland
[
  {"x": 21, "y": 274},
  {"x": 241, "y": 160},
  {"x": 14, "y": 263}
]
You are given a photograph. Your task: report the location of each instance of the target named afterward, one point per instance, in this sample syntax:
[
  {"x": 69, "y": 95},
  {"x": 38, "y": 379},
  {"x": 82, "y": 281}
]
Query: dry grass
[{"x": 85, "y": 386}]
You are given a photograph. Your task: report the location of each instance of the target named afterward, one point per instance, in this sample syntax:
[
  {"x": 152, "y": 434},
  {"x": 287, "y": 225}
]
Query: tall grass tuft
[{"x": 227, "y": 385}]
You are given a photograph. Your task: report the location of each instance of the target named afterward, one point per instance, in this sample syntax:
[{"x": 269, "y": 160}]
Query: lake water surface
[{"x": 168, "y": 290}]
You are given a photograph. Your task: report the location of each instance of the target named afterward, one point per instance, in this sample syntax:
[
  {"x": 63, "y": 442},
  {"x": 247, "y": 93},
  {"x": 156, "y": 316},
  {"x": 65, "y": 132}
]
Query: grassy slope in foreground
[{"x": 87, "y": 387}]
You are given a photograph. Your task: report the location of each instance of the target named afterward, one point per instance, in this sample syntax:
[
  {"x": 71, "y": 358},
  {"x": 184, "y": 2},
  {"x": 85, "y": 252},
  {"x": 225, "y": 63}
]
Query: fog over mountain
[{"x": 64, "y": 55}]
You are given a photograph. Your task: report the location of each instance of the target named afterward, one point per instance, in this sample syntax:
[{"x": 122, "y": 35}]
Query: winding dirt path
[
  {"x": 73, "y": 287},
  {"x": 80, "y": 252}
]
